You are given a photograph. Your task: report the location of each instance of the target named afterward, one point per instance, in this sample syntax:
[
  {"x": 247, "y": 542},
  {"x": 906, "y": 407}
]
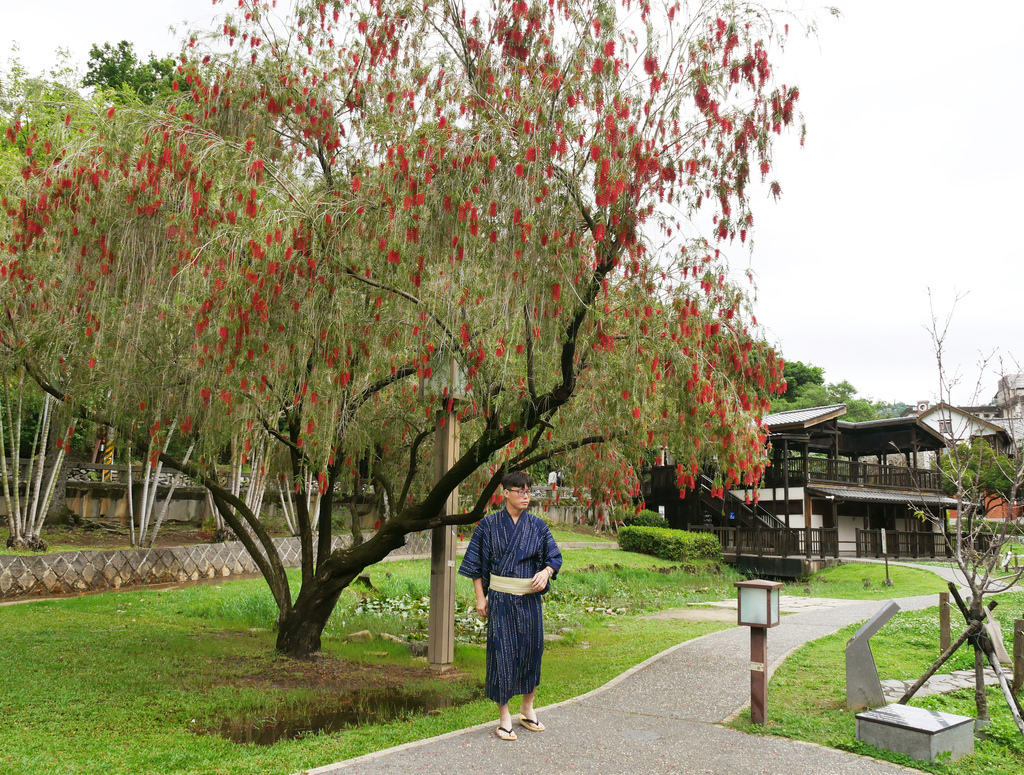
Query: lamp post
[{"x": 758, "y": 608}]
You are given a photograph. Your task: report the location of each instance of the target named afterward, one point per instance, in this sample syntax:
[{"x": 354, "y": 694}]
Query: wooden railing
[
  {"x": 901, "y": 543},
  {"x": 840, "y": 471},
  {"x": 775, "y": 542}
]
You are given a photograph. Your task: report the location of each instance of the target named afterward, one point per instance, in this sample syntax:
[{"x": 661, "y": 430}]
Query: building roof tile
[
  {"x": 801, "y": 418},
  {"x": 865, "y": 495}
]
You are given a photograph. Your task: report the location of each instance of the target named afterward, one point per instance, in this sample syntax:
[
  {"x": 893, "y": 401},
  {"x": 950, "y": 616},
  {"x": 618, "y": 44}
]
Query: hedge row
[
  {"x": 669, "y": 544},
  {"x": 645, "y": 518}
]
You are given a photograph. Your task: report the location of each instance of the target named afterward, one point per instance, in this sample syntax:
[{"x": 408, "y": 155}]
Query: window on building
[{"x": 946, "y": 427}]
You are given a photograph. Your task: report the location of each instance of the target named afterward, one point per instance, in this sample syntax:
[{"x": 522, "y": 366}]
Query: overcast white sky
[{"x": 910, "y": 179}]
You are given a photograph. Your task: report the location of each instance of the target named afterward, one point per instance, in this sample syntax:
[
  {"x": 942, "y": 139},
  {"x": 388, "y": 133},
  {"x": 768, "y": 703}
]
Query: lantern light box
[{"x": 758, "y": 603}]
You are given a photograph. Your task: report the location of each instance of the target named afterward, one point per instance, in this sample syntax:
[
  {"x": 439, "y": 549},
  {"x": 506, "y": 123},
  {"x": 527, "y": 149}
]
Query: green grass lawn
[
  {"x": 866, "y": 581},
  {"x": 807, "y": 694},
  {"x": 119, "y": 682},
  {"x": 563, "y": 535}
]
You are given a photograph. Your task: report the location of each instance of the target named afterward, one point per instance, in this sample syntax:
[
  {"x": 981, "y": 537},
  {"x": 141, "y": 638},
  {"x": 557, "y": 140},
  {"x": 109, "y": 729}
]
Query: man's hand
[
  {"x": 481, "y": 608},
  {"x": 540, "y": 580}
]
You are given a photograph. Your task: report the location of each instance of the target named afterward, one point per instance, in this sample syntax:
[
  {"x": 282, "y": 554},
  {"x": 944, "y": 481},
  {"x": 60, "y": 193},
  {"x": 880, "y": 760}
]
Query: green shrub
[
  {"x": 645, "y": 518},
  {"x": 670, "y": 544}
]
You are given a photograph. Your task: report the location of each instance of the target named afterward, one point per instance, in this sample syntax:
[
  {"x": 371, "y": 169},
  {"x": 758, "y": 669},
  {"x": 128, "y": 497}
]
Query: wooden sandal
[
  {"x": 505, "y": 734},
  {"x": 532, "y": 724}
]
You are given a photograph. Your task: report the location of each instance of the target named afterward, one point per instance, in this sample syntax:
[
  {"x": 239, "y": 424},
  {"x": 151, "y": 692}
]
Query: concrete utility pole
[{"x": 441, "y": 624}]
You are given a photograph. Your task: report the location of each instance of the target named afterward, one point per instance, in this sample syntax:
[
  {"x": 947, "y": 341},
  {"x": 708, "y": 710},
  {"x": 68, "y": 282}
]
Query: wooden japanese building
[{"x": 830, "y": 489}]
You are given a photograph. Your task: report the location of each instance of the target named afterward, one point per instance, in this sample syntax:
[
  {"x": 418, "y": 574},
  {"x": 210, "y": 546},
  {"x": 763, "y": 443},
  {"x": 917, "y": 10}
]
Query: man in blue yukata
[{"x": 512, "y": 558}]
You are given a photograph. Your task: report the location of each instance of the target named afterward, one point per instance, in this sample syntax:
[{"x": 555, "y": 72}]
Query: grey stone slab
[
  {"x": 863, "y": 689},
  {"x": 49, "y": 580},
  {"x": 917, "y": 732}
]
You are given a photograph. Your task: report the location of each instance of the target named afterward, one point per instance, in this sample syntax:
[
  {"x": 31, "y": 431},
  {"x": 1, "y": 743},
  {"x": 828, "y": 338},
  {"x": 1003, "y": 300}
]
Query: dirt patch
[{"x": 334, "y": 694}]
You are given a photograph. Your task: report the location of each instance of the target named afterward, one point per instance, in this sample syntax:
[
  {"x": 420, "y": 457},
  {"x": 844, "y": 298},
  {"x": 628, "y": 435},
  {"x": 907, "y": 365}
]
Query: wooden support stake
[
  {"x": 944, "y": 634},
  {"x": 946, "y": 654},
  {"x": 1018, "y": 654}
]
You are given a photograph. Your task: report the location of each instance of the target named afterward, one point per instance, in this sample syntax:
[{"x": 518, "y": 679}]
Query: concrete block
[{"x": 916, "y": 732}]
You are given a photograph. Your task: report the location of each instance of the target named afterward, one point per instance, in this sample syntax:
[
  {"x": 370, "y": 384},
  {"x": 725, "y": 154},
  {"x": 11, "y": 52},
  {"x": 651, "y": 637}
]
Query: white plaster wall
[
  {"x": 795, "y": 520},
  {"x": 964, "y": 426},
  {"x": 767, "y": 494},
  {"x": 848, "y": 532}
]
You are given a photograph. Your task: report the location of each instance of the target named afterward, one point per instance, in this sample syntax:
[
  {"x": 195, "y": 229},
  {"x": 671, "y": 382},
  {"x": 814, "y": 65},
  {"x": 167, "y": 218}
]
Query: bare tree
[{"x": 977, "y": 477}]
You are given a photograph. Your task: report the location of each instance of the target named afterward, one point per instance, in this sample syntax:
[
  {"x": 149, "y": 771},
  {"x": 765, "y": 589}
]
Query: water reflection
[{"x": 353, "y": 709}]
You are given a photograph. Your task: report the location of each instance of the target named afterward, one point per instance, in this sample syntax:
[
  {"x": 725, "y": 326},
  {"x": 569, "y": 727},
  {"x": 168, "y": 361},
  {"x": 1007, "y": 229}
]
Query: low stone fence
[{"x": 103, "y": 570}]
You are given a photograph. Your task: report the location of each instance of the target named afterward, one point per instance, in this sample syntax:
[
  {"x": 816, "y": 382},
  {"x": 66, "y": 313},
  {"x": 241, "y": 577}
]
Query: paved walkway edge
[{"x": 329, "y": 768}]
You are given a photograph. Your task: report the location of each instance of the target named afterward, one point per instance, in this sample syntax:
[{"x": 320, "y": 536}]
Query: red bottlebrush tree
[{"x": 354, "y": 194}]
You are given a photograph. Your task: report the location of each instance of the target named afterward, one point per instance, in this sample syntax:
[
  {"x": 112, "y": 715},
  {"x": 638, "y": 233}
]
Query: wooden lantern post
[{"x": 758, "y": 608}]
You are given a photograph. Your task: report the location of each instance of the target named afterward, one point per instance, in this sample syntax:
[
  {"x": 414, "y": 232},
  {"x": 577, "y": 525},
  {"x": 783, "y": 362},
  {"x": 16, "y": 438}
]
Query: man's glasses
[{"x": 520, "y": 493}]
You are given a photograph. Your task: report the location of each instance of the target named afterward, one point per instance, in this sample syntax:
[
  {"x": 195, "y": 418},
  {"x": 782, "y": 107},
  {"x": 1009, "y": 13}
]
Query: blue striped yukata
[{"x": 515, "y": 623}]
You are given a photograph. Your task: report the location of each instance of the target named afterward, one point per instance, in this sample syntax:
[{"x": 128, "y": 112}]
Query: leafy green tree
[
  {"x": 32, "y": 100},
  {"x": 355, "y": 197},
  {"x": 895, "y": 409},
  {"x": 798, "y": 375},
  {"x": 806, "y": 387},
  {"x": 976, "y": 467},
  {"x": 122, "y": 76}
]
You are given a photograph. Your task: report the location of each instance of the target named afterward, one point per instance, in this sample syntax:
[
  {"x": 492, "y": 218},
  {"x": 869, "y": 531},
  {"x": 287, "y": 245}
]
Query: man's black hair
[{"x": 516, "y": 479}]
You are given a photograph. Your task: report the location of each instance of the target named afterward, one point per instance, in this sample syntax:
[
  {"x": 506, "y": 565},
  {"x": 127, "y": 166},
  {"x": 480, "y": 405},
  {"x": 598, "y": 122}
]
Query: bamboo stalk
[
  {"x": 167, "y": 501},
  {"x": 287, "y": 506},
  {"x": 37, "y": 477},
  {"x": 131, "y": 496},
  {"x": 50, "y": 486},
  {"x": 16, "y": 454},
  {"x": 3, "y": 463}
]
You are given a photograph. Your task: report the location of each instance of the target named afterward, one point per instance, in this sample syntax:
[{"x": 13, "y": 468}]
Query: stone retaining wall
[{"x": 102, "y": 570}]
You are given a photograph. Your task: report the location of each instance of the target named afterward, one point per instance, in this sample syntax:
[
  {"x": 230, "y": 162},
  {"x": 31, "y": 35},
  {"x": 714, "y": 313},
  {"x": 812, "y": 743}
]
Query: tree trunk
[
  {"x": 299, "y": 629},
  {"x": 58, "y": 501},
  {"x": 980, "y": 696}
]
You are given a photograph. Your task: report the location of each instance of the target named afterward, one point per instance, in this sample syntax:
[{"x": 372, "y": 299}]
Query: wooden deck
[{"x": 807, "y": 470}]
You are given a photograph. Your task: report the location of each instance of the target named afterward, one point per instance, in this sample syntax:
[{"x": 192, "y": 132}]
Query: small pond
[{"x": 352, "y": 709}]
